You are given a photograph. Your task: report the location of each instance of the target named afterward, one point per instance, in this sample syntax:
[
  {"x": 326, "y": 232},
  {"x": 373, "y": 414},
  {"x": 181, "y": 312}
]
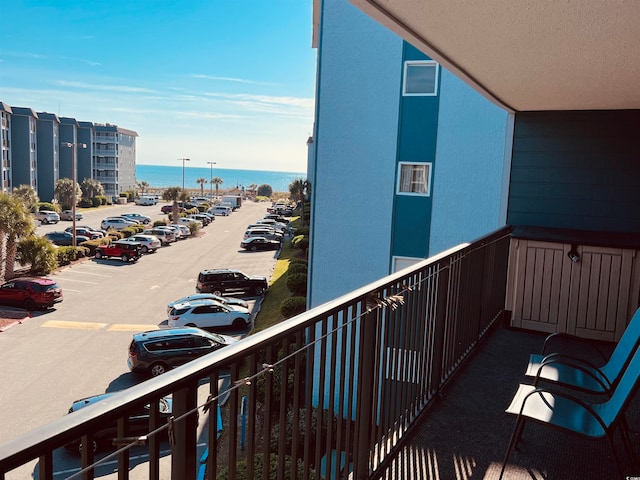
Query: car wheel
[
  {"x": 29, "y": 304},
  {"x": 145, "y": 249},
  {"x": 124, "y": 258},
  {"x": 146, "y": 222},
  {"x": 45, "y": 221},
  {"x": 217, "y": 292},
  {"x": 238, "y": 324},
  {"x": 258, "y": 290},
  {"x": 98, "y": 254},
  {"x": 253, "y": 248},
  {"x": 157, "y": 369},
  {"x": 95, "y": 447}
]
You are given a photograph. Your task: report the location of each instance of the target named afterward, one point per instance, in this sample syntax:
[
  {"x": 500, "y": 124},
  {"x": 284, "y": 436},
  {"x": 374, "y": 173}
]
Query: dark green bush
[
  {"x": 302, "y": 231},
  {"x": 297, "y": 284},
  {"x": 103, "y": 199},
  {"x": 301, "y": 242},
  {"x": 241, "y": 469},
  {"x": 47, "y": 206},
  {"x": 297, "y": 268},
  {"x": 91, "y": 245},
  {"x": 159, "y": 223},
  {"x": 292, "y": 306},
  {"x": 297, "y": 261},
  {"x": 124, "y": 195},
  {"x": 66, "y": 255},
  {"x": 86, "y": 202},
  {"x": 96, "y": 202}
]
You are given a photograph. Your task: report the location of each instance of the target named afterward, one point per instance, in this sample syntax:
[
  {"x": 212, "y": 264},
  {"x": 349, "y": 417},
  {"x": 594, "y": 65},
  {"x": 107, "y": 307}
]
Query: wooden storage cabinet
[{"x": 594, "y": 297}]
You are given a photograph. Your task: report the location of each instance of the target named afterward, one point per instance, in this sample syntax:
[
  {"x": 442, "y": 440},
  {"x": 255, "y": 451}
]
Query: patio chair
[
  {"x": 573, "y": 415},
  {"x": 583, "y": 374}
]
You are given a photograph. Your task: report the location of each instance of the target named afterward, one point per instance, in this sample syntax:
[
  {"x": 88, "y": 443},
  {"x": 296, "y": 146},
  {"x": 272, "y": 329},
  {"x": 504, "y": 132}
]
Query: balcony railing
[{"x": 327, "y": 394}]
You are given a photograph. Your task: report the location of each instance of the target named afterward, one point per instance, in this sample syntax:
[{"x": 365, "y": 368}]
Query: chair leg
[
  {"x": 615, "y": 456},
  {"x": 515, "y": 437},
  {"x": 628, "y": 444}
]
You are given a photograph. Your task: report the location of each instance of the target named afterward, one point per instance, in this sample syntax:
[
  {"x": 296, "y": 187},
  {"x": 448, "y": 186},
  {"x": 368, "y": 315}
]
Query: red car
[{"x": 30, "y": 292}]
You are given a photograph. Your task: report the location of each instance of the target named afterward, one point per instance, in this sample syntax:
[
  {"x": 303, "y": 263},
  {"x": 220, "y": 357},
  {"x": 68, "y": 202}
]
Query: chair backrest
[
  {"x": 621, "y": 355},
  {"x": 623, "y": 393}
]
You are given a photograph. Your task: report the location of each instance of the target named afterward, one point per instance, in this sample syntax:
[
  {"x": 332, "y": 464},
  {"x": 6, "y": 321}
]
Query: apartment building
[
  {"x": 403, "y": 177},
  {"x": 38, "y": 149}
]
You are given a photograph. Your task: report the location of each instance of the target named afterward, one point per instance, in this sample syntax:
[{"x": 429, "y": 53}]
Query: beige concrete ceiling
[{"x": 528, "y": 55}]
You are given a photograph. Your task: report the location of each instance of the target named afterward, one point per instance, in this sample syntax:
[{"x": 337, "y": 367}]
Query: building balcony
[{"x": 407, "y": 377}]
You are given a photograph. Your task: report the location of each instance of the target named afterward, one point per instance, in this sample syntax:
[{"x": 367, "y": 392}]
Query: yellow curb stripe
[
  {"x": 131, "y": 327},
  {"x": 76, "y": 325}
]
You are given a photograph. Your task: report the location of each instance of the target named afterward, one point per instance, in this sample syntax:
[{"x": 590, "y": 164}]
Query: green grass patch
[{"x": 269, "y": 314}]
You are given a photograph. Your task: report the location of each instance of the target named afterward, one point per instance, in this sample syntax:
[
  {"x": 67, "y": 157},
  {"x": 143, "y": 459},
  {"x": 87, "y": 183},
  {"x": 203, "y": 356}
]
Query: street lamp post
[
  {"x": 74, "y": 176},
  {"x": 183, "y": 160},
  {"x": 211, "y": 179}
]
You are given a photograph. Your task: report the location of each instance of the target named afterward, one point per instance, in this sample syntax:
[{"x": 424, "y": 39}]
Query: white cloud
[
  {"x": 230, "y": 79},
  {"x": 111, "y": 88}
]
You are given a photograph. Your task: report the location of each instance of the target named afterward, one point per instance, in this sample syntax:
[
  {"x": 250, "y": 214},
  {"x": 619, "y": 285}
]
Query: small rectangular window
[
  {"x": 420, "y": 78},
  {"x": 414, "y": 178}
]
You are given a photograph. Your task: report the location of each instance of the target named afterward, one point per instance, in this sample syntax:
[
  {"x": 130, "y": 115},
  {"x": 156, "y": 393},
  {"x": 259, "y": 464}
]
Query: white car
[
  {"x": 165, "y": 235},
  {"x": 47, "y": 216},
  {"x": 208, "y": 314},
  {"x": 187, "y": 221},
  {"x": 116, "y": 223},
  {"x": 184, "y": 230},
  {"x": 220, "y": 210},
  {"x": 150, "y": 243},
  {"x": 68, "y": 215},
  {"x": 238, "y": 302},
  {"x": 136, "y": 217}
]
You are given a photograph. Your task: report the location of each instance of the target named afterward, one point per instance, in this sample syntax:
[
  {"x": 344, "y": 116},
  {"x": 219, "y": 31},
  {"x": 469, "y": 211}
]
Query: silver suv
[{"x": 47, "y": 216}]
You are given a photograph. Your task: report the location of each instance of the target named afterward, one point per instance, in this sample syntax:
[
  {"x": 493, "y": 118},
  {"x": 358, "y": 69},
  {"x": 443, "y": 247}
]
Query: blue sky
[{"x": 229, "y": 81}]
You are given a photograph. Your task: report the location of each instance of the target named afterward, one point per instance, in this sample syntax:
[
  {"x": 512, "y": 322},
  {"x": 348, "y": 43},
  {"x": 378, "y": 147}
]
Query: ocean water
[{"x": 162, "y": 176}]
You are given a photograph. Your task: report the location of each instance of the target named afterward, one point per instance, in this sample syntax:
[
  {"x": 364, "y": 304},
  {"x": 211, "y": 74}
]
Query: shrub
[
  {"x": 103, "y": 199},
  {"x": 68, "y": 254},
  {"x": 301, "y": 242},
  {"x": 39, "y": 253},
  {"x": 86, "y": 202},
  {"x": 297, "y": 268},
  {"x": 47, "y": 206},
  {"x": 91, "y": 245},
  {"x": 297, "y": 284},
  {"x": 96, "y": 202},
  {"x": 160, "y": 223},
  {"x": 241, "y": 468},
  {"x": 296, "y": 261},
  {"x": 292, "y": 306},
  {"x": 194, "y": 227},
  {"x": 302, "y": 231},
  {"x": 124, "y": 195}
]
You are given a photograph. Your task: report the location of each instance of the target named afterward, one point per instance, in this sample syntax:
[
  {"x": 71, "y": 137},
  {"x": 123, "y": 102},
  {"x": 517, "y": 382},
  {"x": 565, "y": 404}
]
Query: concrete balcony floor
[{"x": 465, "y": 434}]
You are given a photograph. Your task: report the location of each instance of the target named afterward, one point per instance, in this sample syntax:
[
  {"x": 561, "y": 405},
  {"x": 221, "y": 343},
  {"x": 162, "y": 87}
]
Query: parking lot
[{"x": 80, "y": 347}]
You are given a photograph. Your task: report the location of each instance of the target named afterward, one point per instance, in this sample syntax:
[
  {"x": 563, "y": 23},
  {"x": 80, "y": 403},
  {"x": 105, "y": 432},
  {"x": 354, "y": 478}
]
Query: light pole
[
  {"x": 183, "y": 160},
  {"x": 74, "y": 199},
  {"x": 211, "y": 179}
]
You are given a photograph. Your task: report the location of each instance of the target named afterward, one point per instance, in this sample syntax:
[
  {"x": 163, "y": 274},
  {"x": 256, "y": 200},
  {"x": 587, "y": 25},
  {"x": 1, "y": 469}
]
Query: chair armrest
[{"x": 584, "y": 366}]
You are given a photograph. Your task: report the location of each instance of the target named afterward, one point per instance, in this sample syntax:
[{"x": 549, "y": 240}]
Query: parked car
[
  {"x": 156, "y": 351},
  {"x": 219, "y": 281},
  {"x": 87, "y": 227},
  {"x": 80, "y": 231},
  {"x": 221, "y": 210},
  {"x": 280, "y": 227},
  {"x": 187, "y": 221},
  {"x": 166, "y": 236},
  {"x": 68, "y": 215},
  {"x": 116, "y": 223},
  {"x": 201, "y": 217},
  {"x": 137, "y": 218},
  {"x": 260, "y": 243},
  {"x": 209, "y": 296},
  {"x": 208, "y": 314},
  {"x": 148, "y": 243},
  {"x": 63, "y": 239},
  {"x": 30, "y": 293},
  {"x": 184, "y": 230},
  {"x": 269, "y": 233},
  {"x": 137, "y": 425},
  {"x": 168, "y": 208},
  {"x": 126, "y": 251},
  {"x": 47, "y": 216}
]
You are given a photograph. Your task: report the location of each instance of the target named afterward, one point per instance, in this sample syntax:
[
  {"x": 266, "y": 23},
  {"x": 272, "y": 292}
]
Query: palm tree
[
  {"x": 217, "y": 181},
  {"x": 15, "y": 222},
  {"x": 27, "y": 195},
  {"x": 91, "y": 188},
  {"x": 201, "y": 181},
  {"x": 298, "y": 189},
  {"x": 143, "y": 186},
  {"x": 175, "y": 194},
  {"x": 64, "y": 192}
]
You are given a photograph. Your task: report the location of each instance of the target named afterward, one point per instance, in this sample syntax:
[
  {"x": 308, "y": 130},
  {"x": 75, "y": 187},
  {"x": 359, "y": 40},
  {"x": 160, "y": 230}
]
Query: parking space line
[
  {"x": 131, "y": 327},
  {"x": 69, "y": 270},
  {"x": 75, "y": 325},
  {"x": 78, "y": 281}
]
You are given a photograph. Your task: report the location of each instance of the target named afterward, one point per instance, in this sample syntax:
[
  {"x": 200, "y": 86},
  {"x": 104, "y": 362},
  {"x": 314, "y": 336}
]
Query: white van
[
  {"x": 145, "y": 200},
  {"x": 220, "y": 210}
]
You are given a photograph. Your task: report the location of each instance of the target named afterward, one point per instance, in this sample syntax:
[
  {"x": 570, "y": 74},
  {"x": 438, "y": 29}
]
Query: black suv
[
  {"x": 221, "y": 281},
  {"x": 156, "y": 351}
]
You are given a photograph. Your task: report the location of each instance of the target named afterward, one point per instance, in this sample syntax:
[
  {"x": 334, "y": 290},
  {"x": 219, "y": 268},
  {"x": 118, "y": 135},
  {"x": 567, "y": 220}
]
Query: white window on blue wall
[
  {"x": 420, "y": 78},
  {"x": 414, "y": 179}
]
